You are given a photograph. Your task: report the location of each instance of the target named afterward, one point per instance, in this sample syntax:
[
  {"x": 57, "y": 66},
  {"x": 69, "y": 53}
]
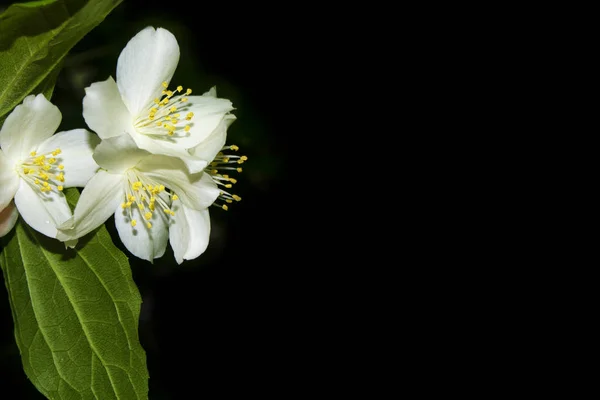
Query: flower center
[
  {"x": 147, "y": 195},
  {"x": 218, "y": 170},
  {"x": 43, "y": 171},
  {"x": 169, "y": 117}
]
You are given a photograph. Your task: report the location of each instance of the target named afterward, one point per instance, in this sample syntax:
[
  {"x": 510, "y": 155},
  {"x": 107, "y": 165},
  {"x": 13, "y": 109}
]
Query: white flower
[
  {"x": 139, "y": 104},
  {"x": 36, "y": 165},
  {"x": 154, "y": 200}
]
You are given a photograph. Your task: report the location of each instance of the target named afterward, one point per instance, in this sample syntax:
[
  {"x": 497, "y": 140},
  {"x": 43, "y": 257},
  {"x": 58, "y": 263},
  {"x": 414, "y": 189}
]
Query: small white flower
[
  {"x": 35, "y": 166},
  {"x": 154, "y": 199},
  {"x": 139, "y": 103}
]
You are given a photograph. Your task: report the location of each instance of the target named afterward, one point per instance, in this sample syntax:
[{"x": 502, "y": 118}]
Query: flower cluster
[{"x": 158, "y": 161}]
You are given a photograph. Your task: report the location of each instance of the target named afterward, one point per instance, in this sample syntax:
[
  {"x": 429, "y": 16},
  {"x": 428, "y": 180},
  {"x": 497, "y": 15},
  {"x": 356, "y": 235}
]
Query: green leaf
[
  {"x": 76, "y": 315},
  {"x": 36, "y": 36}
]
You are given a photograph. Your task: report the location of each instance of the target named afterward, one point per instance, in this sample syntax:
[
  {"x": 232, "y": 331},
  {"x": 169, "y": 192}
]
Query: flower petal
[
  {"x": 143, "y": 242},
  {"x": 118, "y": 154},
  {"x": 28, "y": 125},
  {"x": 161, "y": 147},
  {"x": 208, "y": 114},
  {"x": 102, "y": 194},
  {"x": 197, "y": 191},
  {"x": 104, "y": 111},
  {"x": 42, "y": 211},
  {"x": 149, "y": 59},
  {"x": 9, "y": 180},
  {"x": 76, "y": 148},
  {"x": 213, "y": 144},
  {"x": 189, "y": 232},
  {"x": 8, "y": 219}
]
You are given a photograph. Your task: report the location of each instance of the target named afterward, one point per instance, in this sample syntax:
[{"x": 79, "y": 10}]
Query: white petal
[
  {"x": 28, "y": 125},
  {"x": 143, "y": 242},
  {"x": 76, "y": 148},
  {"x": 42, "y": 211},
  {"x": 8, "y": 219},
  {"x": 118, "y": 154},
  {"x": 197, "y": 191},
  {"x": 149, "y": 59},
  {"x": 104, "y": 110},
  {"x": 9, "y": 180},
  {"x": 161, "y": 147},
  {"x": 208, "y": 114},
  {"x": 189, "y": 232},
  {"x": 102, "y": 194},
  {"x": 208, "y": 149}
]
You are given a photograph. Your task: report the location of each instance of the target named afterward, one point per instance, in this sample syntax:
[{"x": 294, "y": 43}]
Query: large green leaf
[
  {"x": 76, "y": 315},
  {"x": 36, "y": 36}
]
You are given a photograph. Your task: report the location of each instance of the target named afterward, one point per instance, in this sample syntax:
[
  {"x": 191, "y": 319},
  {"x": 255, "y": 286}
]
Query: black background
[{"x": 224, "y": 322}]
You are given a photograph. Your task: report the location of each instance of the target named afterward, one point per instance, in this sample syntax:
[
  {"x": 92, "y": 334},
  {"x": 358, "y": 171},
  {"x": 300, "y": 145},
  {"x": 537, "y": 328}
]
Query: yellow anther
[
  {"x": 52, "y": 160},
  {"x": 141, "y": 206},
  {"x": 228, "y": 201},
  {"x": 224, "y": 206},
  {"x": 128, "y": 204},
  {"x": 149, "y": 225},
  {"x": 32, "y": 154},
  {"x": 184, "y": 99},
  {"x": 37, "y": 181},
  {"x": 165, "y": 84},
  {"x": 187, "y": 128},
  {"x": 123, "y": 206},
  {"x": 60, "y": 177},
  {"x": 232, "y": 180},
  {"x": 165, "y": 101},
  {"x": 161, "y": 188},
  {"x": 131, "y": 198},
  {"x": 236, "y": 197},
  {"x": 239, "y": 169},
  {"x": 188, "y": 92},
  {"x": 189, "y": 115},
  {"x": 157, "y": 100},
  {"x": 44, "y": 176},
  {"x": 47, "y": 167},
  {"x": 133, "y": 222},
  {"x": 228, "y": 186},
  {"x": 61, "y": 166},
  {"x": 175, "y": 197},
  {"x": 26, "y": 170},
  {"x": 60, "y": 188},
  {"x": 137, "y": 186},
  {"x": 148, "y": 215},
  {"x": 153, "y": 110},
  {"x": 234, "y": 147},
  {"x": 158, "y": 123},
  {"x": 179, "y": 88},
  {"x": 173, "y": 109}
]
